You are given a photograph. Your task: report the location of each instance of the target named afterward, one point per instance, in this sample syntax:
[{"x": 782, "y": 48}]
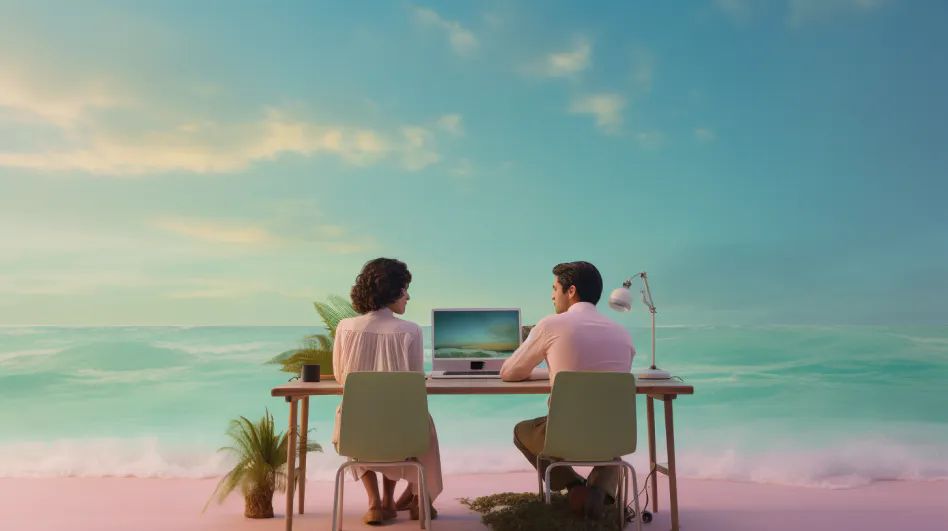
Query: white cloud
[
  {"x": 567, "y": 63},
  {"x": 203, "y": 147},
  {"x": 703, "y": 134},
  {"x": 451, "y": 123},
  {"x": 650, "y": 140},
  {"x": 418, "y": 154},
  {"x": 462, "y": 39},
  {"x": 266, "y": 235},
  {"x": 217, "y": 232},
  {"x": 154, "y": 138},
  {"x": 206, "y": 147},
  {"x": 30, "y": 102},
  {"x": 605, "y": 107}
]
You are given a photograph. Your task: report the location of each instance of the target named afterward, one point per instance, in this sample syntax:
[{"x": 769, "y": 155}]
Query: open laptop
[{"x": 472, "y": 342}]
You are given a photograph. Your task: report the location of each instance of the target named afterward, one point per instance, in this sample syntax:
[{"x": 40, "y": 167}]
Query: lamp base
[{"x": 654, "y": 374}]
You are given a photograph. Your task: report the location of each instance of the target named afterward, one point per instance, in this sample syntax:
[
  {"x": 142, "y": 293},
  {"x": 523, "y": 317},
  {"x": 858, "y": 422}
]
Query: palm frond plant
[
  {"x": 317, "y": 348},
  {"x": 261, "y": 465},
  {"x": 332, "y": 311}
]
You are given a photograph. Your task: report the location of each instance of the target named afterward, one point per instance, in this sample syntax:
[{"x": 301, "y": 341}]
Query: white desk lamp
[{"x": 621, "y": 301}]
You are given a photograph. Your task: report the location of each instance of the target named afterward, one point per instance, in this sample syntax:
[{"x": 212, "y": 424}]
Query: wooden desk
[{"x": 664, "y": 390}]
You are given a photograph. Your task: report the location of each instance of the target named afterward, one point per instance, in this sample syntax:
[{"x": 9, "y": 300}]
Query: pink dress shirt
[{"x": 579, "y": 339}]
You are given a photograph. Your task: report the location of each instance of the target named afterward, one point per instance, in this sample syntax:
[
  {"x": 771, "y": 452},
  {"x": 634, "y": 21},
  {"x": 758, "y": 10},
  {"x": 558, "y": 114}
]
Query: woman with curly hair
[{"x": 379, "y": 341}]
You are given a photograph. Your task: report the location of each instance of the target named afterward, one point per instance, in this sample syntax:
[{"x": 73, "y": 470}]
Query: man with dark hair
[
  {"x": 584, "y": 277},
  {"x": 576, "y": 338}
]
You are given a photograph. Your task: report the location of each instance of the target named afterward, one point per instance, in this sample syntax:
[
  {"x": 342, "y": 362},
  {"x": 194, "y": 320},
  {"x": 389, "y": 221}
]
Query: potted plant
[
  {"x": 317, "y": 348},
  {"x": 261, "y": 467}
]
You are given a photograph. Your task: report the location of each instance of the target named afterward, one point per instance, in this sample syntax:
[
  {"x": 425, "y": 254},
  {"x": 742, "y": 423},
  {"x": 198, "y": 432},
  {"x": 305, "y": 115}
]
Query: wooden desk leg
[
  {"x": 304, "y": 427},
  {"x": 290, "y": 464},
  {"x": 672, "y": 473},
  {"x": 650, "y": 410}
]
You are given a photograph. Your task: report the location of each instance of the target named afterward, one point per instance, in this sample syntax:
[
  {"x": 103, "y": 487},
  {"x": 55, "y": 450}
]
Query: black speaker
[{"x": 311, "y": 372}]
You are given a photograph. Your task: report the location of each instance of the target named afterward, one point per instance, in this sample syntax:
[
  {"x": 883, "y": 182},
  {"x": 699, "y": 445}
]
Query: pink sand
[{"x": 126, "y": 504}]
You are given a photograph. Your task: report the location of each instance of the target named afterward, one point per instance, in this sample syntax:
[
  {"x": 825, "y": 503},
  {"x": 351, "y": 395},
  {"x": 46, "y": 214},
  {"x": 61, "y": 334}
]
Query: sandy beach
[{"x": 126, "y": 504}]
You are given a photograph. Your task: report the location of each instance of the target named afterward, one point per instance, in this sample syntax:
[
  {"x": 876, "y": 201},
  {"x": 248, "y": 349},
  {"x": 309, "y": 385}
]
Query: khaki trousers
[{"x": 530, "y": 436}]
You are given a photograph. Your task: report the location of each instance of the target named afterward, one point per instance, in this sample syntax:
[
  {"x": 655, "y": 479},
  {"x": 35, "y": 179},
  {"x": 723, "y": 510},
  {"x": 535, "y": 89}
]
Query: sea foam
[{"x": 840, "y": 468}]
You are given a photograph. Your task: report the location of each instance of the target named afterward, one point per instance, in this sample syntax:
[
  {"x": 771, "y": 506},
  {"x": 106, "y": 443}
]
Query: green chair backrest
[
  {"x": 384, "y": 416},
  {"x": 592, "y": 416}
]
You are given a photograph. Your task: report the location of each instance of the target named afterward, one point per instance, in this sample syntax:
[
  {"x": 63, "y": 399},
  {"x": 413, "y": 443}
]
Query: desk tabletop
[{"x": 478, "y": 386}]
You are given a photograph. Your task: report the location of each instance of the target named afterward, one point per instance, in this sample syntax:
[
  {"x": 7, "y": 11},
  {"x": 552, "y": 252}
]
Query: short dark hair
[
  {"x": 379, "y": 284},
  {"x": 584, "y": 276}
]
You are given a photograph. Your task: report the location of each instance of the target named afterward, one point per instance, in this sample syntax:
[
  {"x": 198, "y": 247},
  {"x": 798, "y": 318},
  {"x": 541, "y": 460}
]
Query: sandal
[
  {"x": 414, "y": 511},
  {"x": 373, "y": 517}
]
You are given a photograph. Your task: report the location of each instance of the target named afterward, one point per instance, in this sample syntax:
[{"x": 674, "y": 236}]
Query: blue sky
[{"x": 772, "y": 161}]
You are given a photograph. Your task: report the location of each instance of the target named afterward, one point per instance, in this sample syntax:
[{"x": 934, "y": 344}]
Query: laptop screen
[{"x": 474, "y": 334}]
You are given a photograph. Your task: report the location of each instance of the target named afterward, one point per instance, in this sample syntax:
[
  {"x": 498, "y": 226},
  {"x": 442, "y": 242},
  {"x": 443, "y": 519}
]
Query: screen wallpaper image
[{"x": 475, "y": 334}]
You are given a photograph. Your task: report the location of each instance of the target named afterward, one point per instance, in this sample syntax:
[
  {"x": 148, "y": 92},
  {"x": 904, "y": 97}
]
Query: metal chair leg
[
  {"x": 421, "y": 499},
  {"x": 337, "y": 498},
  {"x": 424, "y": 499},
  {"x": 546, "y": 480},
  {"x": 635, "y": 496},
  {"x": 539, "y": 477}
]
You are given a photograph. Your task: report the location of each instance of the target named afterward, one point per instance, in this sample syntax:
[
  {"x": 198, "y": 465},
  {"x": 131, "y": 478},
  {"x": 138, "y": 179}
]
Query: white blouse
[
  {"x": 377, "y": 341},
  {"x": 380, "y": 342}
]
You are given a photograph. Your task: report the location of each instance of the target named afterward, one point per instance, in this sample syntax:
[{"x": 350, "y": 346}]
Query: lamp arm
[
  {"x": 651, "y": 308},
  {"x": 648, "y": 292}
]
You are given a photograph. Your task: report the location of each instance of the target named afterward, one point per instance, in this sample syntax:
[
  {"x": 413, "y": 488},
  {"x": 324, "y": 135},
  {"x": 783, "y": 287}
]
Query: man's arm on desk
[{"x": 521, "y": 363}]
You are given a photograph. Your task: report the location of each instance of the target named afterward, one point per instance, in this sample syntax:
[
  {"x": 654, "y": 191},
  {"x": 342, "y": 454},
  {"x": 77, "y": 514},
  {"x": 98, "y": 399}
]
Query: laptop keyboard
[{"x": 471, "y": 373}]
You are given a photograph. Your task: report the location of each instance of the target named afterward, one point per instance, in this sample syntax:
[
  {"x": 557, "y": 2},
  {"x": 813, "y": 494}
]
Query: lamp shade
[{"x": 620, "y": 300}]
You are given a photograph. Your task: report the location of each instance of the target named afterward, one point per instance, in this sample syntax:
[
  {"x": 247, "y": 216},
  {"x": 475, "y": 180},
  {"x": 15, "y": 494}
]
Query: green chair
[
  {"x": 592, "y": 422},
  {"x": 384, "y": 423}
]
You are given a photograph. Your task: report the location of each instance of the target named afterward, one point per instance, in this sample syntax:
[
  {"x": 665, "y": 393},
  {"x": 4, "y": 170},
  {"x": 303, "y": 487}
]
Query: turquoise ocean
[{"x": 826, "y": 407}]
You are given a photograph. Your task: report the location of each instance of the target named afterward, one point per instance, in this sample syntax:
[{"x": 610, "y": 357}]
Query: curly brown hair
[{"x": 379, "y": 284}]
